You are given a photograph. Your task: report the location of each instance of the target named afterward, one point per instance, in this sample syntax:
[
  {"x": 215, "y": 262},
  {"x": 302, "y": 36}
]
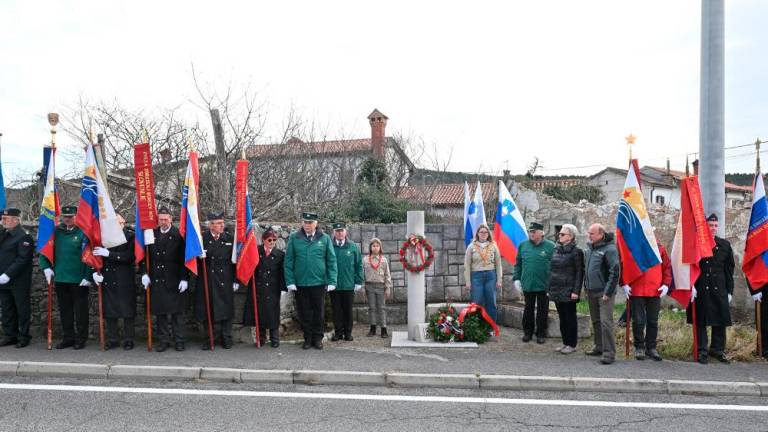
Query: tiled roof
[
  {"x": 678, "y": 175},
  {"x": 448, "y": 195},
  {"x": 295, "y": 146}
]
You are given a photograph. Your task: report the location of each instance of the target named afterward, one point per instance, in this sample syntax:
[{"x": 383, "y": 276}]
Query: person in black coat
[
  {"x": 712, "y": 295},
  {"x": 16, "y": 250},
  {"x": 118, "y": 280},
  {"x": 270, "y": 284},
  {"x": 218, "y": 246},
  {"x": 565, "y": 280},
  {"x": 169, "y": 277}
]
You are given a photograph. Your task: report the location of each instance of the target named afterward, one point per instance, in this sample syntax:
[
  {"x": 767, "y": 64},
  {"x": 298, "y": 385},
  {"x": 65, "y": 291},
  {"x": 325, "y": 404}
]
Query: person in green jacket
[
  {"x": 72, "y": 280},
  {"x": 531, "y": 276},
  {"x": 310, "y": 269},
  {"x": 349, "y": 262}
]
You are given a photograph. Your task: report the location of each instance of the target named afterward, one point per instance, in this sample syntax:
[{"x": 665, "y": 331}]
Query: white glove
[
  {"x": 182, "y": 286},
  {"x": 4, "y": 279},
  {"x": 358, "y": 287},
  {"x": 283, "y": 293},
  {"x": 331, "y": 288},
  {"x": 96, "y": 278},
  {"x": 663, "y": 290},
  {"x": 730, "y": 297},
  {"x": 149, "y": 236},
  {"x": 85, "y": 282},
  {"x": 235, "y": 286},
  {"x": 757, "y": 297},
  {"x": 518, "y": 285},
  {"x": 693, "y": 294},
  {"x": 48, "y": 275},
  {"x": 100, "y": 251},
  {"x": 291, "y": 287},
  {"x": 202, "y": 255},
  {"x": 627, "y": 290},
  {"x": 145, "y": 280}
]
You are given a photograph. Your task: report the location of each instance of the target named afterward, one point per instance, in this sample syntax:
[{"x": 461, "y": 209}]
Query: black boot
[
  {"x": 372, "y": 332},
  {"x": 384, "y": 334}
]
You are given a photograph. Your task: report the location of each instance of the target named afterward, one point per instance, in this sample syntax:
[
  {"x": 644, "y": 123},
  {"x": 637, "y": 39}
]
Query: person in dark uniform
[
  {"x": 168, "y": 276},
  {"x": 217, "y": 245},
  {"x": 118, "y": 282},
  {"x": 310, "y": 271},
  {"x": 349, "y": 264},
  {"x": 713, "y": 293},
  {"x": 72, "y": 280},
  {"x": 16, "y": 249},
  {"x": 270, "y": 285}
]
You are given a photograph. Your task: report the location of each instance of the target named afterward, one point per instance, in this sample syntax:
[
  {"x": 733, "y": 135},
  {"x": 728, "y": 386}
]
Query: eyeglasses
[{"x": 271, "y": 240}]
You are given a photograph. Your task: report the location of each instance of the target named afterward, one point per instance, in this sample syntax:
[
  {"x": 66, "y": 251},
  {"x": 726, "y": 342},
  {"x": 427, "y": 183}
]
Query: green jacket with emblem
[
  {"x": 532, "y": 265},
  {"x": 68, "y": 246},
  {"x": 309, "y": 261},
  {"x": 349, "y": 262}
]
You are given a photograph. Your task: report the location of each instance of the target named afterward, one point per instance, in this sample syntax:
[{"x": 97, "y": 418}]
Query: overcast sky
[{"x": 498, "y": 82}]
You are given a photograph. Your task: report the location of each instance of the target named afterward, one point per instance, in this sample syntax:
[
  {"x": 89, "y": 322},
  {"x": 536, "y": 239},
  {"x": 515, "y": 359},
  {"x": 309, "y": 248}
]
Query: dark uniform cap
[
  {"x": 712, "y": 218},
  {"x": 163, "y": 210},
  {"x": 309, "y": 216},
  {"x": 339, "y": 225},
  {"x": 535, "y": 226},
  {"x": 12, "y": 212},
  {"x": 214, "y": 215},
  {"x": 68, "y": 211}
]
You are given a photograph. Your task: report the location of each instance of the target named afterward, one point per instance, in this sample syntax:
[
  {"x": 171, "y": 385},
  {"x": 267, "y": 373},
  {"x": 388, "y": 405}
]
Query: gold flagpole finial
[
  {"x": 242, "y": 153},
  {"x": 630, "y": 142},
  {"x": 144, "y": 136},
  {"x": 190, "y": 143},
  {"x": 53, "y": 120}
]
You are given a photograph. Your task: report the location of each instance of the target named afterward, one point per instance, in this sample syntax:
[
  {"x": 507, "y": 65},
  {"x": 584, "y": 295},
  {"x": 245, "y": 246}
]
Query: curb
[{"x": 383, "y": 379}]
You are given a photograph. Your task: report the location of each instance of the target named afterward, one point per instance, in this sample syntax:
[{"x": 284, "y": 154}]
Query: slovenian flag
[
  {"x": 189, "y": 224},
  {"x": 245, "y": 254},
  {"x": 640, "y": 258},
  {"x": 693, "y": 241},
  {"x": 95, "y": 214},
  {"x": 474, "y": 213},
  {"x": 509, "y": 231},
  {"x": 755, "y": 263},
  {"x": 49, "y": 211}
]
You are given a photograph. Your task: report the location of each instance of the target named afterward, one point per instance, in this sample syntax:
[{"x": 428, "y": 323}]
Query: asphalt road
[{"x": 82, "y": 405}]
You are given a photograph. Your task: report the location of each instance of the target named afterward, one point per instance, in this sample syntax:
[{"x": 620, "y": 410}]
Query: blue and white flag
[{"x": 474, "y": 213}]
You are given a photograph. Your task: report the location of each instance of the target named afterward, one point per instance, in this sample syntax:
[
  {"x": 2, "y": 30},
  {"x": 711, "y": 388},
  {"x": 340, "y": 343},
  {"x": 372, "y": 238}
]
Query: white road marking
[{"x": 375, "y": 397}]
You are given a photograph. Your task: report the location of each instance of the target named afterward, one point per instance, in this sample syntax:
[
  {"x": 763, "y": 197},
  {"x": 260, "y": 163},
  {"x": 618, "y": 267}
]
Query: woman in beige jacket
[
  {"x": 482, "y": 270},
  {"x": 378, "y": 286}
]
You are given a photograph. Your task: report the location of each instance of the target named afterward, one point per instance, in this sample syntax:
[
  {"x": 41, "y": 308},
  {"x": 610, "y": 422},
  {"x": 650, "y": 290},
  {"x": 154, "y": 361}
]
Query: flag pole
[
  {"x": 98, "y": 285},
  {"x": 206, "y": 290},
  {"x": 758, "y": 311},
  {"x": 148, "y": 291},
  {"x": 53, "y": 120},
  {"x": 630, "y": 142}
]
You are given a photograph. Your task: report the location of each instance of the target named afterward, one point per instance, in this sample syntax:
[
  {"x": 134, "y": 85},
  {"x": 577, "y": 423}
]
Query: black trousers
[
  {"x": 566, "y": 311},
  {"x": 341, "y": 301},
  {"x": 718, "y": 339},
  {"x": 221, "y": 329},
  {"x": 113, "y": 333},
  {"x": 14, "y": 304},
  {"x": 73, "y": 308},
  {"x": 274, "y": 335},
  {"x": 764, "y": 324},
  {"x": 177, "y": 324},
  {"x": 310, "y": 305},
  {"x": 645, "y": 321},
  {"x": 535, "y": 322}
]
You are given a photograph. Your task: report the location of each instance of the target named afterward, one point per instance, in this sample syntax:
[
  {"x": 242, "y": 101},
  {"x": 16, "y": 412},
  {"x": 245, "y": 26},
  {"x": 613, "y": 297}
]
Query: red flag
[
  {"x": 693, "y": 241},
  {"x": 245, "y": 254},
  {"x": 145, "y": 186}
]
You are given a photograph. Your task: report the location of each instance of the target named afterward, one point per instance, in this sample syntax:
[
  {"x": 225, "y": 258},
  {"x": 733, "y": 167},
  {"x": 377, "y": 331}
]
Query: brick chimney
[{"x": 378, "y": 123}]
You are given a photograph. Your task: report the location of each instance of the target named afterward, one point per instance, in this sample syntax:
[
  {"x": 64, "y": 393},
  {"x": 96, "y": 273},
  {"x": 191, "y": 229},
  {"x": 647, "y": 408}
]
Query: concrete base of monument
[{"x": 400, "y": 340}]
